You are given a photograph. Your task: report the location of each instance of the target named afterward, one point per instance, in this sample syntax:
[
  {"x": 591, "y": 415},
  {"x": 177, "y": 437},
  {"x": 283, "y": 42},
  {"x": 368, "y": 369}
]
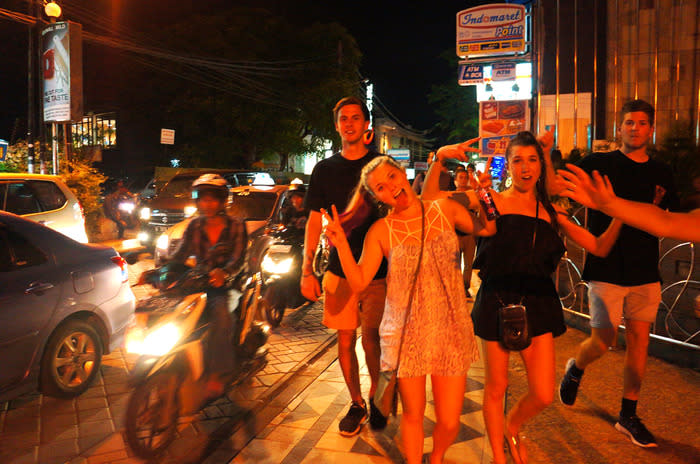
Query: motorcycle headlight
[
  {"x": 190, "y": 210},
  {"x": 126, "y": 206},
  {"x": 145, "y": 213},
  {"x": 155, "y": 342},
  {"x": 162, "y": 242},
  {"x": 276, "y": 263}
]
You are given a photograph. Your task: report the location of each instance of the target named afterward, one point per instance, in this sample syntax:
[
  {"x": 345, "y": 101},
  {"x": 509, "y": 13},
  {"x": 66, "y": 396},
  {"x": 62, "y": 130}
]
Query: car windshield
[
  {"x": 179, "y": 187},
  {"x": 253, "y": 205}
]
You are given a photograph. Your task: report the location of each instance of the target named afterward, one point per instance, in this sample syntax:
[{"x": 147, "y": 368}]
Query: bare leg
[
  {"x": 637, "y": 337},
  {"x": 539, "y": 364},
  {"x": 347, "y": 358},
  {"x": 370, "y": 343},
  {"x": 448, "y": 394},
  {"x": 412, "y": 390},
  {"x": 595, "y": 346},
  {"x": 496, "y": 360}
]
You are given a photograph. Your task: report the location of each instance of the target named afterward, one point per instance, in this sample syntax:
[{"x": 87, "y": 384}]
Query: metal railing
[{"x": 676, "y": 323}]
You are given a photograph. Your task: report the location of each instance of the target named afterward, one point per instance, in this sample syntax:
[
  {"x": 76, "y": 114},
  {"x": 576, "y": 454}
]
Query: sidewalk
[{"x": 306, "y": 430}]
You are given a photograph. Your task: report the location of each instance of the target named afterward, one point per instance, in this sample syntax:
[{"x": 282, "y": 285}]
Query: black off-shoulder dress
[{"x": 512, "y": 269}]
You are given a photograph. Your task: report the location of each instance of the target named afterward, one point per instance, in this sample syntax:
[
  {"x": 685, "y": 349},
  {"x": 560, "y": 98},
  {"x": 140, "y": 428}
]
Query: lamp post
[{"x": 53, "y": 11}]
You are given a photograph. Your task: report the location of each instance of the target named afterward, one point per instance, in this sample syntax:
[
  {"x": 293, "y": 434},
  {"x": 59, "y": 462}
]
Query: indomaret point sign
[{"x": 494, "y": 29}]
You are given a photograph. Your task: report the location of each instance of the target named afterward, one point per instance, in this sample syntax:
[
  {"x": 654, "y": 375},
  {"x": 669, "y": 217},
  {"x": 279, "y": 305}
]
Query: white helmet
[{"x": 210, "y": 183}]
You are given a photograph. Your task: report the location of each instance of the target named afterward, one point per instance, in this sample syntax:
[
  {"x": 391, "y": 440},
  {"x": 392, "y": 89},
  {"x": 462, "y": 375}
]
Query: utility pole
[{"x": 30, "y": 92}]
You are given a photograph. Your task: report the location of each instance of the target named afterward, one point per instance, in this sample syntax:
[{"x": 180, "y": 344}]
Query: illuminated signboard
[{"x": 494, "y": 29}]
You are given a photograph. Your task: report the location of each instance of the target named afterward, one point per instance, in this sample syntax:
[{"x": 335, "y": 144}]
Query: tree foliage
[
  {"x": 276, "y": 102},
  {"x": 456, "y": 106}
]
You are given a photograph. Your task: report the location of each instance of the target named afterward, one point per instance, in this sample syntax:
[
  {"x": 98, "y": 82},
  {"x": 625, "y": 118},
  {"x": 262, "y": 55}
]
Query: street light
[{"x": 52, "y": 10}]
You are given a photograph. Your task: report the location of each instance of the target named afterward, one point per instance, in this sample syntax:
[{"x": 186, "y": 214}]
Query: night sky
[{"x": 401, "y": 43}]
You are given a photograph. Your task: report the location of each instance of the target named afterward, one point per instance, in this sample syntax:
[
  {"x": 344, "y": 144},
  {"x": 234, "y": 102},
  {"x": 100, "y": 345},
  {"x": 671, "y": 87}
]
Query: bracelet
[{"x": 305, "y": 274}]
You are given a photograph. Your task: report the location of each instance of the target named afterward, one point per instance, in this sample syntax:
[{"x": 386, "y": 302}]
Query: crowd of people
[{"x": 401, "y": 265}]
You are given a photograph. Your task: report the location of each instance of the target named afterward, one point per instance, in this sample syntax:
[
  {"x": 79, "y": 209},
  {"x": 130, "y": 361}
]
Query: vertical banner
[{"x": 62, "y": 72}]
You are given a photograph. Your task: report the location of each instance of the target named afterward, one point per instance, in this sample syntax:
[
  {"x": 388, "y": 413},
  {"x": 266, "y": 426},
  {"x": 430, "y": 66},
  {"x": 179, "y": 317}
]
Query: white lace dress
[{"x": 439, "y": 338}]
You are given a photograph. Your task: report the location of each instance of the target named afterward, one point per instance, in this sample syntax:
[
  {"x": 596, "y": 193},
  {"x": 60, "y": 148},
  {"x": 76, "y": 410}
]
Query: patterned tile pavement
[{"x": 289, "y": 413}]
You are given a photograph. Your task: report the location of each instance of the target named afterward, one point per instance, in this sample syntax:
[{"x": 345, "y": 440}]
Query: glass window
[
  {"x": 253, "y": 205},
  {"x": 50, "y": 196},
  {"x": 17, "y": 253},
  {"x": 21, "y": 199}
]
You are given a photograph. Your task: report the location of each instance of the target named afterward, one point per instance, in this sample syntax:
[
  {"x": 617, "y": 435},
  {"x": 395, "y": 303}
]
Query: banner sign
[
  {"x": 470, "y": 74},
  {"x": 499, "y": 121},
  {"x": 493, "y": 29},
  {"x": 503, "y": 72},
  {"x": 62, "y": 70}
]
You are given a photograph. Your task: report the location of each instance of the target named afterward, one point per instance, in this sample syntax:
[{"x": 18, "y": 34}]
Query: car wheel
[{"x": 71, "y": 360}]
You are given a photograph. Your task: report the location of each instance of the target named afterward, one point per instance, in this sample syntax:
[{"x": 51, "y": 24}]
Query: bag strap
[
  {"x": 534, "y": 237},
  {"x": 413, "y": 285}
]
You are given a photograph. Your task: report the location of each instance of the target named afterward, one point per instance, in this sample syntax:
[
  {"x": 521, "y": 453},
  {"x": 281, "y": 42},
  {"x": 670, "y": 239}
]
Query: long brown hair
[
  {"x": 363, "y": 202},
  {"x": 526, "y": 139}
]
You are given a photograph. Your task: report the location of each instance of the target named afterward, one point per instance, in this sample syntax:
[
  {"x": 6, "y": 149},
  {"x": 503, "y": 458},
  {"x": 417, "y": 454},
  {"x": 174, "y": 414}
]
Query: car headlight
[
  {"x": 190, "y": 210},
  {"x": 155, "y": 342},
  {"x": 162, "y": 242},
  {"x": 145, "y": 213},
  {"x": 276, "y": 264}
]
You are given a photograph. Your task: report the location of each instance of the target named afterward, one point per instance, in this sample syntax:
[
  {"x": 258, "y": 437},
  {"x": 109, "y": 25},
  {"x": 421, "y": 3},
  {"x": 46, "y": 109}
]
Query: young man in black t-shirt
[
  {"x": 332, "y": 183},
  {"x": 626, "y": 282}
]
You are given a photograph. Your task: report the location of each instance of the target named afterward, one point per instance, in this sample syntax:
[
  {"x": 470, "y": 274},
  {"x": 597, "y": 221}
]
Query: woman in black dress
[{"x": 514, "y": 269}]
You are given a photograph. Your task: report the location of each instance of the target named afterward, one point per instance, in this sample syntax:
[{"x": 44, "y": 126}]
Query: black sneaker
[
  {"x": 568, "y": 388},
  {"x": 351, "y": 424},
  {"x": 376, "y": 419},
  {"x": 633, "y": 428}
]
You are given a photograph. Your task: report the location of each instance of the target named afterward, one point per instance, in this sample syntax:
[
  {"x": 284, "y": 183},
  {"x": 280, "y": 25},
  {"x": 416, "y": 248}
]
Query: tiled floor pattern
[{"x": 307, "y": 430}]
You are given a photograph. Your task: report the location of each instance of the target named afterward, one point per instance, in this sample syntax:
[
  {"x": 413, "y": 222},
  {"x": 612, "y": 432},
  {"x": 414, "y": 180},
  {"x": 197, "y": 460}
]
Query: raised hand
[
  {"x": 457, "y": 151},
  {"x": 595, "y": 192},
  {"x": 333, "y": 229}
]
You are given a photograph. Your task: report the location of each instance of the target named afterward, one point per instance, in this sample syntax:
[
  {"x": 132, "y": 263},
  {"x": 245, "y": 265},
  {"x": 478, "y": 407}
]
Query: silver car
[{"x": 63, "y": 304}]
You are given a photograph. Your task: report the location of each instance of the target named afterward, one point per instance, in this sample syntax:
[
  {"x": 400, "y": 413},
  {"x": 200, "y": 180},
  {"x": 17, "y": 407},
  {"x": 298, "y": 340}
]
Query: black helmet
[{"x": 212, "y": 184}]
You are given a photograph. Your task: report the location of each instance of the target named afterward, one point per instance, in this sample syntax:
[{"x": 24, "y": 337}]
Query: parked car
[
  {"x": 63, "y": 305},
  {"x": 44, "y": 199},
  {"x": 173, "y": 203}
]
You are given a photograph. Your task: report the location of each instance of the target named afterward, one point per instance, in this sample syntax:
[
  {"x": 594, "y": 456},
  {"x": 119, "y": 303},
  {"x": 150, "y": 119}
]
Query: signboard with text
[
  {"x": 167, "y": 136},
  {"x": 494, "y": 29},
  {"x": 399, "y": 154},
  {"x": 62, "y": 72},
  {"x": 470, "y": 74},
  {"x": 503, "y": 72}
]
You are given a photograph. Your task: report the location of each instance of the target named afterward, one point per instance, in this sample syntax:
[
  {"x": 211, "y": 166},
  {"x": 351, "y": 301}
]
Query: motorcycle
[
  {"x": 280, "y": 271},
  {"x": 170, "y": 337},
  {"x": 126, "y": 210}
]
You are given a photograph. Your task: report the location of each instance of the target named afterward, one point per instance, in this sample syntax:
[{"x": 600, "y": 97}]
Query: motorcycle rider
[
  {"x": 111, "y": 206},
  {"x": 210, "y": 227}
]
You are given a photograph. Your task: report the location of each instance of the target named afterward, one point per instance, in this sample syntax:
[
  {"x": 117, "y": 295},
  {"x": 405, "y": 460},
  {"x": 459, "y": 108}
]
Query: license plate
[{"x": 280, "y": 248}]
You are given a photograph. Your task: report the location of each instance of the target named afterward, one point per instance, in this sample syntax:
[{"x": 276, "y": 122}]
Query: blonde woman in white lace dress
[{"x": 439, "y": 337}]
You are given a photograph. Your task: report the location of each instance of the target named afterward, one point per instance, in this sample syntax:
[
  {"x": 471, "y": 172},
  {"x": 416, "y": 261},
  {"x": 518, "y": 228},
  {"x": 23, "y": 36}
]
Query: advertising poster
[
  {"x": 61, "y": 61},
  {"x": 499, "y": 121},
  {"x": 494, "y": 29}
]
